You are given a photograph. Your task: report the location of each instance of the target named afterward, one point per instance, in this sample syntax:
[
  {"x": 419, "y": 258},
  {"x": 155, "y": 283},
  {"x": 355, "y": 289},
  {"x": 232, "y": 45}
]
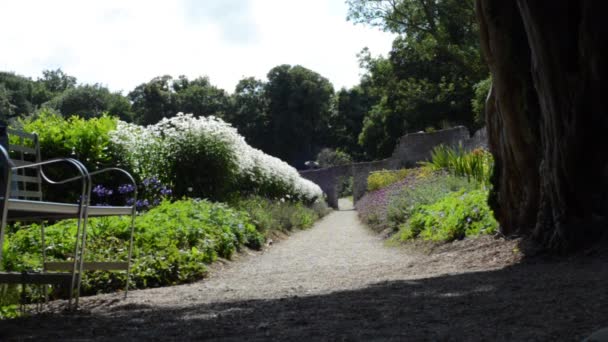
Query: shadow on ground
[{"x": 538, "y": 300}]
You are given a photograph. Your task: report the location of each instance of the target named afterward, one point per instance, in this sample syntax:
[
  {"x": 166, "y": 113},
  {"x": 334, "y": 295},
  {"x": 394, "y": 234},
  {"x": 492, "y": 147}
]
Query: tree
[
  {"x": 200, "y": 98},
  {"x": 546, "y": 118},
  {"x": 91, "y": 100},
  {"x": 299, "y": 107},
  {"x": 250, "y": 114},
  {"x": 164, "y": 97},
  {"x": 153, "y": 101},
  {"x": 352, "y": 105},
  {"x": 51, "y": 84},
  {"x": 428, "y": 78},
  {"x": 56, "y": 81},
  {"x": 18, "y": 94}
]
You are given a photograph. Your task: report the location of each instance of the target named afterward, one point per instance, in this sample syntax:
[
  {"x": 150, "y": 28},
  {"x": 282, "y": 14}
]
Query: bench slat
[
  {"x": 27, "y": 194},
  {"x": 24, "y": 149},
  {"x": 35, "y": 278},
  {"x": 88, "y": 266},
  {"x": 21, "y": 134},
  {"x": 27, "y": 179},
  {"x": 19, "y": 162}
]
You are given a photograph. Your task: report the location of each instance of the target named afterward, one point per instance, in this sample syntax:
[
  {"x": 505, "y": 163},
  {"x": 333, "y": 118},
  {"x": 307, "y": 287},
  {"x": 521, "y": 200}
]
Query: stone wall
[
  {"x": 411, "y": 149},
  {"x": 415, "y": 147},
  {"x": 360, "y": 173},
  {"x": 327, "y": 180}
]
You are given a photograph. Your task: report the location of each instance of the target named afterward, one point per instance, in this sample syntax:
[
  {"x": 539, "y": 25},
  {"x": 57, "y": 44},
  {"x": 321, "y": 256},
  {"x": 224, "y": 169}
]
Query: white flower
[{"x": 147, "y": 150}]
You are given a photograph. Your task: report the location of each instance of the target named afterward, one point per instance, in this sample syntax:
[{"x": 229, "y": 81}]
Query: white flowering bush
[{"x": 207, "y": 157}]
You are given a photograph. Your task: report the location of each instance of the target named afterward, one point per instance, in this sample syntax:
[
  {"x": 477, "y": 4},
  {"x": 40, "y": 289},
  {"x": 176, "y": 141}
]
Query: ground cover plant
[
  {"x": 173, "y": 243},
  {"x": 280, "y": 215},
  {"x": 381, "y": 179},
  {"x": 443, "y": 200}
]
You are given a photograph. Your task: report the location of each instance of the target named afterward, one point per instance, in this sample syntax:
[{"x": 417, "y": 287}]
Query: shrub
[
  {"x": 424, "y": 191},
  {"x": 280, "y": 215},
  {"x": 384, "y": 178},
  {"x": 372, "y": 207},
  {"x": 329, "y": 157},
  {"x": 85, "y": 140},
  {"x": 209, "y": 156},
  {"x": 477, "y": 164},
  {"x": 455, "y": 216},
  {"x": 173, "y": 242}
]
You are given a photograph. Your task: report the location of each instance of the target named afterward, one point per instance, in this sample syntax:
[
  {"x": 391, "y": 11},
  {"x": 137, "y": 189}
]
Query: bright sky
[{"x": 122, "y": 43}]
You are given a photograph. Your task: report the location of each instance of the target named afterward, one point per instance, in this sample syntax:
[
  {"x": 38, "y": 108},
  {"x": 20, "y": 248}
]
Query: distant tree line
[{"x": 433, "y": 78}]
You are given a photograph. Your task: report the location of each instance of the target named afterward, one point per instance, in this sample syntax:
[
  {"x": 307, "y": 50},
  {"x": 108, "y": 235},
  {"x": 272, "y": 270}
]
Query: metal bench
[{"x": 21, "y": 200}]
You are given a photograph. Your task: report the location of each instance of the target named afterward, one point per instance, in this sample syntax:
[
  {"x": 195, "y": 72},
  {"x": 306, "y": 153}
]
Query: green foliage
[
  {"x": 173, "y": 243},
  {"x": 280, "y": 215},
  {"x": 426, "y": 190},
  {"x": 299, "y": 106},
  {"x": 478, "y": 103},
  {"x": 250, "y": 114},
  {"x": 201, "y": 165},
  {"x": 477, "y": 164},
  {"x": 381, "y": 179},
  {"x": 16, "y": 93},
  {"x": 91, "y": 101},
  {"x": 164, "y": 97},
  {"x": 429, "y": 74},
  {"x": 352, "y": 105},
  {"x": 85, "y": 140},
  {"x": 329, "y": 157},
  {"x": 455, "y": 216}
]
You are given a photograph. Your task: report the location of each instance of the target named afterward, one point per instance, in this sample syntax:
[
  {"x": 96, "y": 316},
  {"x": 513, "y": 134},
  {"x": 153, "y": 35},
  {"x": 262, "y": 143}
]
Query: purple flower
[{"x": 126, "y": 189}]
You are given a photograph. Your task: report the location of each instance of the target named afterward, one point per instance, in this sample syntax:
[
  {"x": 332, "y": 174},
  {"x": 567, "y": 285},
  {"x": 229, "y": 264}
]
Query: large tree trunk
[{"x": 546, "y": 117}]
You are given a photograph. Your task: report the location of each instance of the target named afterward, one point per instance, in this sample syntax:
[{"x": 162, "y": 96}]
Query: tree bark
[{"x": 546, "y": 117}]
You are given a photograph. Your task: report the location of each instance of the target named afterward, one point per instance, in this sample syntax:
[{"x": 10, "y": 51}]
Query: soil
[{"x": 340, "y": 281}]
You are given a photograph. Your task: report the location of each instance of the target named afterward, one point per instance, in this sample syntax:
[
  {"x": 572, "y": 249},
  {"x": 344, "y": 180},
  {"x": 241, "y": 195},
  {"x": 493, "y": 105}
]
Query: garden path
[{"x": 338, "y": 281}]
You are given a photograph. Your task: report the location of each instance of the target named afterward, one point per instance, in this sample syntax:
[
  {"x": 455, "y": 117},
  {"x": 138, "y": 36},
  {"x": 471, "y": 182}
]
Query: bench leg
[
  {"x": 7, "y": 193},
  {"x": 130, "y": 251}
]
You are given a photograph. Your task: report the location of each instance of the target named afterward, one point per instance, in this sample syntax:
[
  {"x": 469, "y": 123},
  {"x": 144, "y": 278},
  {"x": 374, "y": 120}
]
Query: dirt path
[{"x": 338, "y": 281}]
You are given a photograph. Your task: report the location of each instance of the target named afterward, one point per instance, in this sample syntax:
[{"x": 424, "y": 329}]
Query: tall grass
[{"x": 475, "y": 165}]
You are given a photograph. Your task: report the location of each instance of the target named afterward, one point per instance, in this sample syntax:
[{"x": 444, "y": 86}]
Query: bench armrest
[{"x": 84, "y": 173}]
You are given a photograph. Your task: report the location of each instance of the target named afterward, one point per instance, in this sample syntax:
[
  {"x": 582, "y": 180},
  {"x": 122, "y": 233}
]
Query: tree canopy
[{"x": 428, "y": 79}]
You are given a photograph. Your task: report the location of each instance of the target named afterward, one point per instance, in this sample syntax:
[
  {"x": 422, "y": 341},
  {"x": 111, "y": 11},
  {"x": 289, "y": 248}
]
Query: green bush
[
  {"x": 85, "y": 140},
  {"x": 381, "y": 179},
  {"x": 453, "y": 217},
  {"x": 173, "y": 242},
  {"x": 477, "y": 164},
  {"x": 425, "y": 191},
  {"x": 280, "y": 215}
]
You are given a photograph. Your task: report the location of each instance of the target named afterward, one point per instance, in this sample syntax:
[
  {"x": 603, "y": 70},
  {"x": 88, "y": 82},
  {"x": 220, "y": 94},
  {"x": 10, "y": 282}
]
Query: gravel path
[
  {"x": 338, "y": 281},
  {"x": 339, "y": 253}
]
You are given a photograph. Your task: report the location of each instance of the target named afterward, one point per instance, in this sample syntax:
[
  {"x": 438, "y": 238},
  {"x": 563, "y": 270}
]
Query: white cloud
[{"x": 122, "y": 43}]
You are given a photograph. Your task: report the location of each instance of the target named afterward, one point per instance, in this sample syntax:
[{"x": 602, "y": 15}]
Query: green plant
[
  {"x": 280, "y": 215},
  {"x": 453, "y": 217},
  {"x": 85, "y": 140},
  {"x": 381, "y": 179},
  {"x": 424, "y": 191},
  {"x": 477, "y": 164},
  {"x": 173, "y": 243},
  {"x": 478, "y": 102}
]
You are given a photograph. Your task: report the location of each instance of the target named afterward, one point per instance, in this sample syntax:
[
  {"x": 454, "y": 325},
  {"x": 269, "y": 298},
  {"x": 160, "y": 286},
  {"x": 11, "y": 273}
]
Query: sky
[{"x": 123, "y": 43}]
